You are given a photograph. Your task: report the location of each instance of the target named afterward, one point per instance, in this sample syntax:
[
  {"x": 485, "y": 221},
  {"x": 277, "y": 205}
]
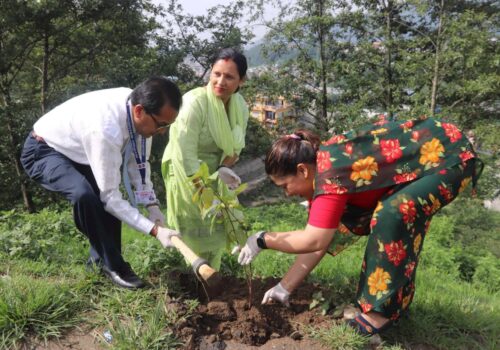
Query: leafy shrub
[
  {"x": 257, "y": 140},
  {"x": 40, "y": 235},
  {"x": 487, "y": 273}
]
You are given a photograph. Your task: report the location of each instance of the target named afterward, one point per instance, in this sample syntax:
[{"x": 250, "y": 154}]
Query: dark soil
[{"x": 227, "y": 321}]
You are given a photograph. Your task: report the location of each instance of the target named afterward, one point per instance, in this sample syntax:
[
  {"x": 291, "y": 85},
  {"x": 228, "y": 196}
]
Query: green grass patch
[
  {"x": 45, "y": 290},
  {"x": 31, "y": 307}
]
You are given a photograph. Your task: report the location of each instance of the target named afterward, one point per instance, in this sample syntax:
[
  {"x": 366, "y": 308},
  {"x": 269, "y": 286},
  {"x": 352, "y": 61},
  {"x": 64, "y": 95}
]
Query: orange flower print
[
  {"x": 452, "y": 132},
  {"x": 391, "y": 150},
  {"x": 436, "y": 204},
  {"x": 465, "y": 182},
  {"x": 430, "y": 152},
  {"x": 404, "y": 177},
  {"x": 373, "y": 221},
  {"x": 364, "y": 169},
  {"x": 395, "y": 251},
  {"x": 334, "y": 140},
  {"x": 409, "y": 211},
  {"x": 378, "y": 131},
  {"x": 378, "y": 281},
  {"x": 406, "y": 301},
  {"x": 416, "y": 244},
  {"x": 323, "y": 161}
]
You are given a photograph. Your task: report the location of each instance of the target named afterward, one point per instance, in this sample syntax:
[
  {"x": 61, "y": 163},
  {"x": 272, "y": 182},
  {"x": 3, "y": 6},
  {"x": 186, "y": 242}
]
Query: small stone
[
  {"x": 296, "y": 335},
  {"x": 375, "y": 340},
  {"x": 212, "y": 338},
  {"x": 238, "y": 334},
  {"x": 226, "y": 335},
  {"x": 350, "y": 312},
  {"x": 274, "y": 336},
  {"x": 107, "y": 336}
]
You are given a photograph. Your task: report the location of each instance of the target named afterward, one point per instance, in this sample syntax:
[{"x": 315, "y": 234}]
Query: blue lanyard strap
[{"x": 141, "y": 161}]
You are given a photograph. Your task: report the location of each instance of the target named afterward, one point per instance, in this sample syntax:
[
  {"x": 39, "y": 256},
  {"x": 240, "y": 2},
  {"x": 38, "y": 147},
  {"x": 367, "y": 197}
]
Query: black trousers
[{"x": 76, "y": 182}]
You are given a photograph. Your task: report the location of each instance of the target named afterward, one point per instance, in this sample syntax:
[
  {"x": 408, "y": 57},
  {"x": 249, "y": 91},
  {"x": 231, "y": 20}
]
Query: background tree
[
  {"x": 201, "y": 37},
  {"x": 53, "y": 50}
]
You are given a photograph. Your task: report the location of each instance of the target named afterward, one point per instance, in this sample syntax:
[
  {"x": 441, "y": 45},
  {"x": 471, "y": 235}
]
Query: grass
[
  {"x": 42, "y": 308},
  {"x": 46, "y": 291}
]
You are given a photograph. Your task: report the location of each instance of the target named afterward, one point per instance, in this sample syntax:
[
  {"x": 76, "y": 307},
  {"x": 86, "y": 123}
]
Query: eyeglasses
[{"x": 159, "y": 125}]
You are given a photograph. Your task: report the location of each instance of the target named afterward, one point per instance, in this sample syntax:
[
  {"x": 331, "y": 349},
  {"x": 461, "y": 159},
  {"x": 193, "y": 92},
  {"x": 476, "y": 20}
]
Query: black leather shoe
[{"x": 125, "y": 277}]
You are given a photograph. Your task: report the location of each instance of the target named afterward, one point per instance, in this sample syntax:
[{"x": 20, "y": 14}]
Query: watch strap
[{"x": 261, "y": 242}]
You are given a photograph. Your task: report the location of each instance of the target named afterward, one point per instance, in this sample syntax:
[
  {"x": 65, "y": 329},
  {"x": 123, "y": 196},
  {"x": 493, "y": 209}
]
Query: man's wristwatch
[{"x": 261, "y": 242}]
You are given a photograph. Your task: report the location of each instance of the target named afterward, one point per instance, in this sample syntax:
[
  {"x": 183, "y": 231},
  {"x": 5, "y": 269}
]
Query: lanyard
[{"x": 141, "y": 161}]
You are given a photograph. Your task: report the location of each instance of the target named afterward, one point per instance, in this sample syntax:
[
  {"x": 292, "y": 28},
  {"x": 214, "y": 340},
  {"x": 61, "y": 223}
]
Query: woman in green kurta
[{"x": 210, "y": 128}]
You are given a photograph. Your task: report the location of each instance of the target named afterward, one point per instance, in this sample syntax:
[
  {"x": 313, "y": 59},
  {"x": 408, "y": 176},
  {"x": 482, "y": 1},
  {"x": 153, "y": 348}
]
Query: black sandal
[{"x": 363, "y": 327}]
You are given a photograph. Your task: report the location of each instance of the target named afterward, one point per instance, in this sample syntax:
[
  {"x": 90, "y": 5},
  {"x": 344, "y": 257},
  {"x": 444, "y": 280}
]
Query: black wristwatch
[{"x": 261, "y": 242}]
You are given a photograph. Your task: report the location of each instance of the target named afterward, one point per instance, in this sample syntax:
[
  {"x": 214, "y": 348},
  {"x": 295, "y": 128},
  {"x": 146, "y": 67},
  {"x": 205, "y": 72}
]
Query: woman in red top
[{"x": 385, "y": 180}]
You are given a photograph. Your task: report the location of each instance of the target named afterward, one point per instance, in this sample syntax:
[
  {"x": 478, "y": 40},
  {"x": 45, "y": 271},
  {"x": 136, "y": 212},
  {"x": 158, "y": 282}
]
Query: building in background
[{"x": 273, "y": 112}]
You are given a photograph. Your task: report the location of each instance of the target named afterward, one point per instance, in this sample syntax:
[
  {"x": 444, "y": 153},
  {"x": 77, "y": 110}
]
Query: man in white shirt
[{"x": 77, "y": 149}]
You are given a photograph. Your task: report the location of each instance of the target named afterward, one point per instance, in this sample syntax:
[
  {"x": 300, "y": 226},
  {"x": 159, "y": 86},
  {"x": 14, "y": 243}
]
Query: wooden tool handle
[{"x": 190, "y": 256}]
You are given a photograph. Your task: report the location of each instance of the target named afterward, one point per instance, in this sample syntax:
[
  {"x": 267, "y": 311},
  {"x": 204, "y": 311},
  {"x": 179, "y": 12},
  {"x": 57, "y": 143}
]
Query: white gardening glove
[
  {"x": 164, "y": 234},
  {"x": 229, "y": 177},
  {"x": 249, "y": 251},
  {"x": 277, "y": 293},
  {"x": 155, "y": 215}
]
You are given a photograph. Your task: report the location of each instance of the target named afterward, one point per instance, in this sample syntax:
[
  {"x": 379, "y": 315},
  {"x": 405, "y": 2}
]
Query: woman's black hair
[
  {"x": 236, "y": 56},
  {"x": 154, "y": 93},
  {"x": 290, "y": 150}
]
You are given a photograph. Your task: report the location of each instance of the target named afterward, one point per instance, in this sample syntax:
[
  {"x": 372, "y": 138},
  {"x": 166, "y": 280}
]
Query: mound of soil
[{"x": 227, "y": 321}]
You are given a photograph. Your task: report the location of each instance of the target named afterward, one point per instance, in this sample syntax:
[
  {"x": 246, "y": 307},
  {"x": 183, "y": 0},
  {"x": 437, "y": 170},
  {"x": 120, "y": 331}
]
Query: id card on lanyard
[{"x": 141, "y": 196}]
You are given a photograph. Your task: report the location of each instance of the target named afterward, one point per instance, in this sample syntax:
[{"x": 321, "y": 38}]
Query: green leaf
[
  {"x": 207, "y": 197},
  {"x": 241, "y": 188}
]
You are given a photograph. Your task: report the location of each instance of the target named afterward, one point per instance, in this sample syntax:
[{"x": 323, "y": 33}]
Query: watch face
[{"x": 261, "y": 243}]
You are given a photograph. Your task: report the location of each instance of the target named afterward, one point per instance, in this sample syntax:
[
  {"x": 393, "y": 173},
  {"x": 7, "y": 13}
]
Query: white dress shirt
[{"x": 91, "y": 129}]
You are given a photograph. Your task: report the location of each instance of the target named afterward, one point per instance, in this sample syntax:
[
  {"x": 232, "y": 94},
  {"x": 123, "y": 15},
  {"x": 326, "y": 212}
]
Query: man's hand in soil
[
  {"x": 249, "y": 251},
  {"x": 277, "y": 293}
]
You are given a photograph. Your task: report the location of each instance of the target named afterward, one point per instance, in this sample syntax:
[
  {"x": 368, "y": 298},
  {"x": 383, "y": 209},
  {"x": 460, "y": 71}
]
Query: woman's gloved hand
[
  {"x": 249, "y": 251},
  {"x": 155, "y": 215},
  {"x": 229, "y": 177},
  {"x": 277, "y": 293}
]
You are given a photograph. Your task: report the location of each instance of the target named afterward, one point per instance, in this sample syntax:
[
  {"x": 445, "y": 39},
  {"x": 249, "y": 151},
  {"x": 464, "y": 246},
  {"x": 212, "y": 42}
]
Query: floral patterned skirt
[{"x": 397, "y": 229}]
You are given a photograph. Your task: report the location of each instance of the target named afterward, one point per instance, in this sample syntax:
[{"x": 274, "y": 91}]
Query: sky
[{"x": 198, "y": 7}]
